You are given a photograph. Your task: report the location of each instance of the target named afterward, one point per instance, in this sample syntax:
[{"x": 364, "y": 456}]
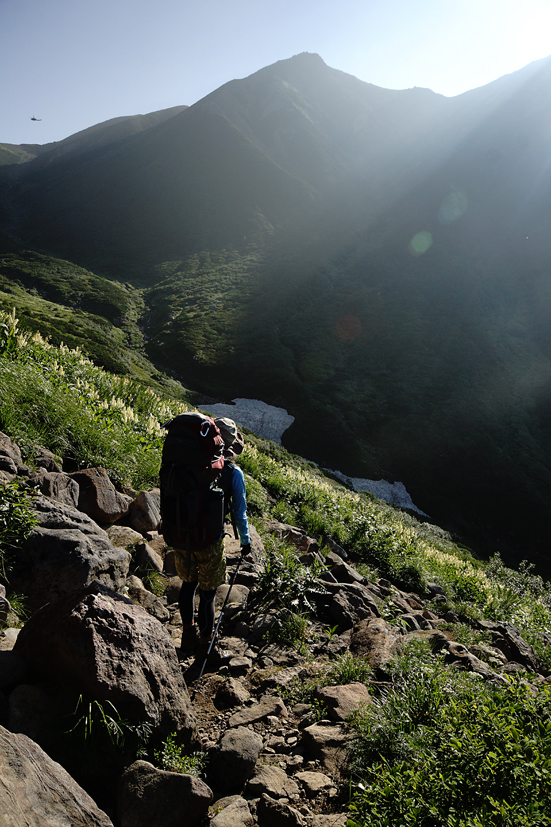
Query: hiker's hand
[{"x": 246, "y": 549}]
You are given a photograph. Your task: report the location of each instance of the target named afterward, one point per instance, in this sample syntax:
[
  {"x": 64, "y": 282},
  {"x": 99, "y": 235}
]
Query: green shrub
[
  {"x": 348, "y": 669},
  {"x": 98, "y": 727},
  {"x": 172, "y": 758},
  {"x": 16, "y": 522},
  {"x": 440, "y": 750},
  {"x": 285, "y": 583},
  {"x": 290, "y": 629}
]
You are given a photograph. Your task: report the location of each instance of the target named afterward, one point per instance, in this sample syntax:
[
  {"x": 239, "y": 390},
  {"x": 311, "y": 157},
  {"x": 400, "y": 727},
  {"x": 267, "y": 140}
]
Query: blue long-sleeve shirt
[{"x": 239, "y": 505}]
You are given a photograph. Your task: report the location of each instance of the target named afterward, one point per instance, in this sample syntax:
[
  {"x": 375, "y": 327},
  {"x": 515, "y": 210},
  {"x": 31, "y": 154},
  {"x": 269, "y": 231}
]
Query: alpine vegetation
[{"x": 372, "y": 672}]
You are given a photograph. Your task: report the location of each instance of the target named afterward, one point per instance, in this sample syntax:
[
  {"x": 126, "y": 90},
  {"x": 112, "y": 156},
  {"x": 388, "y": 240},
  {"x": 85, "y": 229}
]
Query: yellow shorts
[{"x": 206, "y": 565}]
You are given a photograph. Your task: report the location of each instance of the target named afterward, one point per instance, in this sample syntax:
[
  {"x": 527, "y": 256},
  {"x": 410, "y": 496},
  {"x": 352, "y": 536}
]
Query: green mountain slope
[
  {"x": 374, "y": 261},
  {"x": 72, "y": 306}
]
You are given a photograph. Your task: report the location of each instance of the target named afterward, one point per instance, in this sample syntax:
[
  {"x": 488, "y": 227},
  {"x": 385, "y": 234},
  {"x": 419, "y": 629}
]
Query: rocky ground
[{"x": 98, "y": 631}]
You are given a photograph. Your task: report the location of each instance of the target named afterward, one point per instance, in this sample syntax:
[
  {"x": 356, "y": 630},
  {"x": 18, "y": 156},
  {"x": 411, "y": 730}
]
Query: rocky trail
[{"x": 274, "y": 733}]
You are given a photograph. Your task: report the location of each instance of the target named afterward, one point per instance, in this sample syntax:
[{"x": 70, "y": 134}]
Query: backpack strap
[{"x": 225, "y": 481}]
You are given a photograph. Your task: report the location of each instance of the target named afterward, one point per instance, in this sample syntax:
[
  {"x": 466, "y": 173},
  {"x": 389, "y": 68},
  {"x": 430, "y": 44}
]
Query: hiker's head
[{"x": 233, "y": 438}]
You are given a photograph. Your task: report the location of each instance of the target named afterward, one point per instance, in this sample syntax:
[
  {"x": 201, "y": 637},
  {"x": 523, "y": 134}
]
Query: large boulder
[
  {"x": 37, "y": 792},
  {"x": 507, "y": 639},
  {"x": 57, "y": 486},
  {"x": 352, "y": 602},
  {"x": 51, "y": 514},
  {"x": 278, "y": 813},
  {"x": 232, "y": 811},
  {"x": 327, "y": 743},
  {"x": 111, "y": 650},
  {"x": 144, "y": 513},
  {"x": 375, "y": 640},
  {"x": 341, "y": 701},
  {"x": 232, "y": 761},
  {"x": 98, "y": 497},
  {"x": 147, "y": 796},
  {"x": 57, "y": 562},
  {"x": 123, "y": 536},
  {"x": 10, "y": 455}
]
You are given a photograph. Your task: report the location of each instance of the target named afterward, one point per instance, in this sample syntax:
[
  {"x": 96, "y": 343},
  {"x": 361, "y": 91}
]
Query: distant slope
[
  {"x": 71, "y": 305},
  {"x": 376, "y": 262},
  {"x": 94, "y": 137}
]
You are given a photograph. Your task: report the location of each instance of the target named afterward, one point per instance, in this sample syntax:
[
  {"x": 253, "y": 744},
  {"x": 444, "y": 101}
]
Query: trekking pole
[{"x": 213, "y": 638}]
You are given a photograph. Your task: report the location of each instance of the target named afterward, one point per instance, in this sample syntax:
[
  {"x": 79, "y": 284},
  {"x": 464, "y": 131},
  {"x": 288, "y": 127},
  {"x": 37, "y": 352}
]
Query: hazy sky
[{"x": 74, "y": 63}]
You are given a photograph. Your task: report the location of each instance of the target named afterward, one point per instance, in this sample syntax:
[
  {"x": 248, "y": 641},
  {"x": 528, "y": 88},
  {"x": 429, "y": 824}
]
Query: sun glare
[{"x": 534, "y": 35}]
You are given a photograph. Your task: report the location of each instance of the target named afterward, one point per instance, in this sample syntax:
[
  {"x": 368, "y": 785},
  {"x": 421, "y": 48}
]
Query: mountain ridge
[{"x": 396, "y": 302}]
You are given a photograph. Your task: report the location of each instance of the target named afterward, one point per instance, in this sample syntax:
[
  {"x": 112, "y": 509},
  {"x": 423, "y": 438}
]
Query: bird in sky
[{"x": 35, "y": 119}]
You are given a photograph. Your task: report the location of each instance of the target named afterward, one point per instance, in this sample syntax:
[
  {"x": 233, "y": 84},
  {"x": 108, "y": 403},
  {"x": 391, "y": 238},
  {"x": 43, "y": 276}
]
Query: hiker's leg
[
  {"x": 205, "y": 617},
  {"x": 211, "y": 567},
  {"x": 186, "y": 602}
]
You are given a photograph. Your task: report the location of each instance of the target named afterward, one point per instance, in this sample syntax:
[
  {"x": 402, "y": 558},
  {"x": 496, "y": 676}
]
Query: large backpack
[{"x": 192, "y": 504}]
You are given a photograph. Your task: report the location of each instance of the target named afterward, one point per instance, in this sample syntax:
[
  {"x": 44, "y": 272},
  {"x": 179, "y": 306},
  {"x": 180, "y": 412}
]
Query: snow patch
[
  {"x": 270, "y": 422},
  {"x": 265, "y": 420}
]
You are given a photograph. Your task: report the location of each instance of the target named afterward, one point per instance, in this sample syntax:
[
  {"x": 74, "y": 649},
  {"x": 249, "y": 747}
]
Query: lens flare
[
  {"x": 453, "y": 207},
  {"x": 420, "y": 243},
  {"x": 348, "y": 327}
]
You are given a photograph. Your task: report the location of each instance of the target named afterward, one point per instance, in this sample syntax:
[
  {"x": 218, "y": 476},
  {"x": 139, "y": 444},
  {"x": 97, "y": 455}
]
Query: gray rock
[
  {"x": 272, "y": 813},
  {"x": 231, "y": 693},
  {"x": 98, "y": 496},
  {"x": 144, "y": 513},
  {"x": 326, "y": 743},
  {"x": 315, "y": 783},
  {"x": 268, "y": 705},
  {"x": 342, "y": 700},
  {"x": 235, "y": 813},
  {"x": 54, "y": 515},
  {"x": 400, "y": 603},
  {"x": 8, "y": 466},
  {"x": 240, "y": 665},
  {"x": 58, "y": 562},
  {"x": 115, "y": 651},
  {"x": 375, "y": 640},
  {"x": 238, "y": 596},
  {"x": 43, "y": 458},
  {"x": 339, "y": 643},
  {"x": 330, "y": 820},
  {"x": 352, "y": 603},
  {"x": 10, "y": 450},
  {"x": 232, "y": 761},
  {"x": 283, "y": 678},
  {"x": 8, "y": 638},
  {"x": 344, "y": 573},
  {"x": 271, "y": 780},
  {"x": 172, "y": 590},
  {"x": 57, "y": 486},
  {"x": 149, "y": 601},
  {"x": 36, "y": 791},
  {"x": 147, "y": 796},
  {"x": 123, "y": 536},
  {"x": 262, "y": 624},
  {"x": 5, "y": 608},
  {"x": 459, "y": 655},
  {"x": 507, "y": 639},
  {"x": 147, "y": 557}
]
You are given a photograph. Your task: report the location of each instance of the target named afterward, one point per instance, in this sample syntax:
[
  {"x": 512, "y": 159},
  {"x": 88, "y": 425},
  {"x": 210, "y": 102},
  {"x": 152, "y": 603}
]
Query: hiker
[{"x": 205, "y": 568}]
